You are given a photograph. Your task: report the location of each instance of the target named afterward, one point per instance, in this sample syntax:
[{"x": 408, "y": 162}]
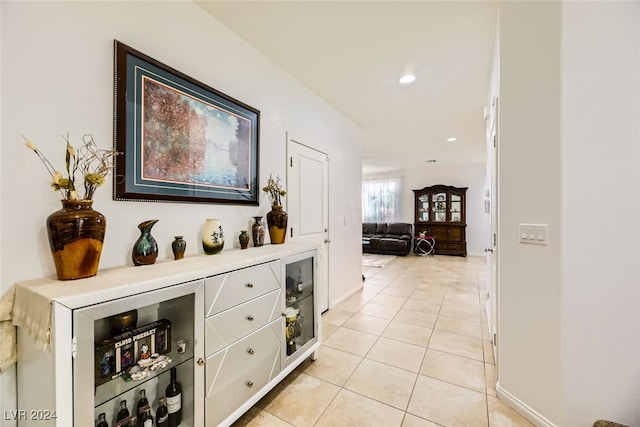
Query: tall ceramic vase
[
  {"x": 277, "y": 223},
  {"x": 212, "y": 236},
  {"x": 145, "y": 249},
  {"x": 257, "y": 231},
  {"x": 76, "y": 233}
]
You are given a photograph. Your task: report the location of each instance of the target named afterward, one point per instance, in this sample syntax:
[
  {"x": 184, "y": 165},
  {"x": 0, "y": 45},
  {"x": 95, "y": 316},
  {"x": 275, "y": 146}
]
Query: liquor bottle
[
  {"x": 173, "y": 398},
  {"x": 147, "y": 419},
  {"x": 143, "y": 405},
  {"x": 299, "y": 284},
  {"x": 102, "y": 420},
  {"x": 162, "y": 415},
  {"x": 123, "y": 417}
]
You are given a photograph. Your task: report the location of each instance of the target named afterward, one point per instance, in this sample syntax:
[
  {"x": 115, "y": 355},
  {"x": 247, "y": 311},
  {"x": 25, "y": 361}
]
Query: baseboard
[
  {"x": 334, "y": 303},
  {"x": 522, "y": 408}
]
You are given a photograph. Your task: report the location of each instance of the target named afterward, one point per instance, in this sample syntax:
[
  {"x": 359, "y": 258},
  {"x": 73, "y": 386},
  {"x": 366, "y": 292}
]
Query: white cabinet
[
  {"x": 229, "y": 308},
  {"x": 250, "y": 342}
]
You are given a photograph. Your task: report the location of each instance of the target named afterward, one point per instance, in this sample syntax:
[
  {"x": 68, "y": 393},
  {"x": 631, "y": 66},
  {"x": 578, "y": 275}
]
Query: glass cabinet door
[
  {"x": 456, "y": 208},
  {"x": 131, "y": 345},
  {"x": 300, "y": 305},
  {"x": 439, "y": 207},
  {"x": 423, "y": 208}
]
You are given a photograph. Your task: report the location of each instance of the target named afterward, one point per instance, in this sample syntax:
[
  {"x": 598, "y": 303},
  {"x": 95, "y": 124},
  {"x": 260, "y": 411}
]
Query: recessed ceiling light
[
  {"x": 406, "y": 79},
  {"x": 452, "y": 139}
]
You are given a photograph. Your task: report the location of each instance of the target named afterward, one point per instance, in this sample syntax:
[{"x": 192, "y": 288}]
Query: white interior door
[
  {"x": 492, "y": 247},
  {"x": 308, "y": 206}
]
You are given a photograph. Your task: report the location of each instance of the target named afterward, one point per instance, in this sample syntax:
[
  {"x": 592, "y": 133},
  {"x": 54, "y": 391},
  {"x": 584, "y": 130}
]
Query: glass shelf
[{"x": 119, "y": 386}]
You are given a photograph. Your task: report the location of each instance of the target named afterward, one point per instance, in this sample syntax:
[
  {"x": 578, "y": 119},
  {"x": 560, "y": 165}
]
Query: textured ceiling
[{"x": 351, "y": 53}]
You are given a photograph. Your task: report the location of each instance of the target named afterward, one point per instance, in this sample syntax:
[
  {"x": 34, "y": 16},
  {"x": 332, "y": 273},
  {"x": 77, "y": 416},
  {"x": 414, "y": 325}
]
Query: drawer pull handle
[
  {"x": 249, "y": 384},
  {"x": 249, "y": 285},
  {"x": 250, "y": 318},
  {"x": 200, "y": 362},
  {"x": 250, "y": 351}
]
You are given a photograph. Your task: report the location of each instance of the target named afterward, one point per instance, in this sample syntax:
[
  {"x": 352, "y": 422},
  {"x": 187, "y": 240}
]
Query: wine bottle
[
  {"x": 102, "y": 420},
  {"x": 147, "y": 419},
  {"x": 162, "y": 415},
  {"x": 143, "y": 405},
  {"x": 173, "y": 398},
  {"x": 123, "y": 417},
  {"x": 299, "y": 284}
]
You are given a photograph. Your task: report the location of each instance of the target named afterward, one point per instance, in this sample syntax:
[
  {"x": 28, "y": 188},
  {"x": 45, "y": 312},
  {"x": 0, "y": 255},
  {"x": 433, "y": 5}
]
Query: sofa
[{"x": 387, "y": 239}]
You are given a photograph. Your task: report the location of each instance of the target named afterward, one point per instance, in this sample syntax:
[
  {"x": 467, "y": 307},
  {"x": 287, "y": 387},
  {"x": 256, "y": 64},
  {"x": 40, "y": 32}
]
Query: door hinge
[
  {"x": 495, "y": 138},
  {"x": 495, "y": 239},
  {"x": 291, "y": 161},
  {"x": 495, "y": 339},
  {"x": 291, "y": 232},
  {"x": 74, "y": 348}
]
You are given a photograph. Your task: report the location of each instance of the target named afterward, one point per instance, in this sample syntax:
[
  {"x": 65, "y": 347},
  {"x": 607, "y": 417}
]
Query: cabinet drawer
[
  {"x": 231, "y": 325},
  {"x": 235, "y": 373},
  {"x": 456, "y": 234},
  {"x": 227, "y": 290}
]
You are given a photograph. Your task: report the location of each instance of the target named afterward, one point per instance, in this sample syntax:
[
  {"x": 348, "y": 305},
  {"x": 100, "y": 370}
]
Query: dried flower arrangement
[
  {"x": 275, "y": 190},
  {"x": 94, "y": 164}
]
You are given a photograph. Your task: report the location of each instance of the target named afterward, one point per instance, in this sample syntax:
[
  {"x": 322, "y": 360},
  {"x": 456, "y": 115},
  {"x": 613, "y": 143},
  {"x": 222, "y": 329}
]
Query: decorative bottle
[
  {"x": 178, "y": 246},
  {"x": 244, "y": 239},
  {"x": 212, "y": 238},
  {"x": 162, "y": 414},
  {"x": 147, "y": 418},
  {"x": 142, "y": 407},
  {"x": 174, "y": 400},
  {"x": 257, "y": 231},
  {"x": 299, "y": 284},
  {"x": 102, "y": 420},
  {"x": 123, "y": 416},
  {"x": 145, "y": 249}
]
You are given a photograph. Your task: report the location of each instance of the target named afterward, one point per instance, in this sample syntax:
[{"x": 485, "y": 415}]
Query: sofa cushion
[
  {"x": 374, "y": 243},
  {"x": 399, "y": 229},
  {"x": 381, "y": 228},
  {"x": 369, "y": 229},
  {"x": 394, "y": 244}
]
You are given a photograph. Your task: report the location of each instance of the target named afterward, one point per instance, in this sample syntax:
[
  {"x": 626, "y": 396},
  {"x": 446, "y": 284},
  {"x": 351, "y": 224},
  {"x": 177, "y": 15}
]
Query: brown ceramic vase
[
  {"x": 277, "y": 224},
  {"x": 76, "y": 233}
]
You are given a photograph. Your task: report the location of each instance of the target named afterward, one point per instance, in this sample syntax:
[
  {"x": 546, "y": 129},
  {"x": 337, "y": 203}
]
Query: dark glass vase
[
  {"x": 257, "y": 231},
  {"x": 145, "y": 249},
  {"x": 277, "y": 223},
  {"x": 76, "y": 233}
]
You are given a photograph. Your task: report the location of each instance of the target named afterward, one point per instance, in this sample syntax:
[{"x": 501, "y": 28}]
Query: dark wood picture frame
[{"x": 180, "y": 140}]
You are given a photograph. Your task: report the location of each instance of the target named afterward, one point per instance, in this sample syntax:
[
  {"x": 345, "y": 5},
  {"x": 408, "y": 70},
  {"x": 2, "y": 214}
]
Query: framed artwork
[{"x": 180, "y": 140}]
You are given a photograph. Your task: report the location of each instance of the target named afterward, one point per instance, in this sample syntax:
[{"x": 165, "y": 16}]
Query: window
[{"x": 380, "y": 200}]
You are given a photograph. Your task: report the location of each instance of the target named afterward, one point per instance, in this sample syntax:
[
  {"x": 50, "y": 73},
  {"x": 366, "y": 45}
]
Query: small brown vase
[
  {"x": 178, "y": 246},
  {"x": 244, "y": 239},
  {"x": 277, "y": 223},
  {"x": 76, "y": 233}
]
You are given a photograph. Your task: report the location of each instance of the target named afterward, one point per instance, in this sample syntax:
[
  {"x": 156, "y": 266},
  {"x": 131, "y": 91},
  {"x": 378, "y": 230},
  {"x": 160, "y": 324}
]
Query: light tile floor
[{"x": 410, "y": 349}]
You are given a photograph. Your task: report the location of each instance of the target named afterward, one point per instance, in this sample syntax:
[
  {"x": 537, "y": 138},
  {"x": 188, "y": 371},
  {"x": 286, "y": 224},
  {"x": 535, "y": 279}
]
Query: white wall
[
  {"x": 57, "y": 76},
  {"x": 471, "y": 176},
  {"x": 600, "y": 163},
  {"x": 569, "y": 319},
  {"x": 529, "y": 330}
]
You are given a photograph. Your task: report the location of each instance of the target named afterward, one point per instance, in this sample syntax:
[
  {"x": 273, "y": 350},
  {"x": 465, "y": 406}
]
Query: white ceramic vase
[{"x": 212, "y": 236}]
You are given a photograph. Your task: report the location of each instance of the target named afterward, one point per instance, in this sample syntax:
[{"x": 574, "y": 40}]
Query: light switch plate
[{"x": 534, "y": 234}]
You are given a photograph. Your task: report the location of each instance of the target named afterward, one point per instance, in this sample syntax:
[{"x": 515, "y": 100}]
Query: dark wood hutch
[{"x": 440, "y": 212}]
